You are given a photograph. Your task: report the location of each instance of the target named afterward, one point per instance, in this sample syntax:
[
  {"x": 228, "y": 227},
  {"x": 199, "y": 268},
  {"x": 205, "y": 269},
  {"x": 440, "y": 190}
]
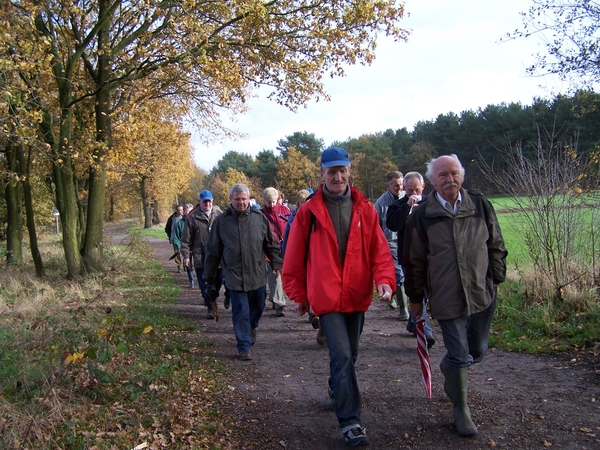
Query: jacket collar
[{"x": 435, "y": 209}]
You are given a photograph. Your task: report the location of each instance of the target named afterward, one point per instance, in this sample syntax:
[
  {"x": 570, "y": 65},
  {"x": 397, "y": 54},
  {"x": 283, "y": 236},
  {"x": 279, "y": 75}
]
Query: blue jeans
[
  {"x": 246, "y": 310},
  {"x": 466, "y": 338},
  {"x": 343, "y": 332},
  {"x": 202, "y": 284}
]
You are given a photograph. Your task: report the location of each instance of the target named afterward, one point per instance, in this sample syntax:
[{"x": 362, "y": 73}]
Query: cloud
[{"x": 452, "y": 63}]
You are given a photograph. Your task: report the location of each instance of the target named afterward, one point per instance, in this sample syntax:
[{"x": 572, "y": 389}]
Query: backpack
[
  {"x": 286, "y": 233},
  {"x": 288, "y": 226}
]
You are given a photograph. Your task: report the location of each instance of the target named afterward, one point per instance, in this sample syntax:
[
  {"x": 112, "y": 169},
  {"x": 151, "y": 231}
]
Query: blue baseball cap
[
  {"x": 335, "y": 156},
  {"x": 205, "y": 195}
]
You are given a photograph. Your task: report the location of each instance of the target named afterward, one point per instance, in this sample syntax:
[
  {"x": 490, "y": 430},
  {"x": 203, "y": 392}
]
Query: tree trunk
[
  {"x": 66, "y": 198},
  {"x": 111, "y": 209},
  {"x": 94, "y": 236},
  {"x": 14, "y": 226},
  {"x": 24, "y": 165},
  {"x": 146, "y": 204},
  {"x": 62, "y": 167},
  {"x": 155, "y": 216}
]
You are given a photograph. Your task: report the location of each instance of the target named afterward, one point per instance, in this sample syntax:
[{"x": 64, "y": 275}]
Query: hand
[
  {"x": 416, "y": 309},
  {"x": 302, "y": 308},
  {"x": 277, "y": 273},
  {"x": 186, "y": 262},
  {"x": 385, "y": 292},
  {"x": 413, "y": 199},
  {"x": 211, "y": 292}
]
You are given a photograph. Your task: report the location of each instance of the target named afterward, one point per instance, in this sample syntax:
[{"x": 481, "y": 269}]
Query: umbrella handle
[{"x": 213, "y": 307}]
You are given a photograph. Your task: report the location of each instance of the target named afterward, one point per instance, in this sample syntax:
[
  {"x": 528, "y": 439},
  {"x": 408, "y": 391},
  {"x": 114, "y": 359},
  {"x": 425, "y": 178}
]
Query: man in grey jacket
[
  {"x": 240, "y": 238},
  {"x": 453, "y": 246},
  {"x": 395, "y": 191}
]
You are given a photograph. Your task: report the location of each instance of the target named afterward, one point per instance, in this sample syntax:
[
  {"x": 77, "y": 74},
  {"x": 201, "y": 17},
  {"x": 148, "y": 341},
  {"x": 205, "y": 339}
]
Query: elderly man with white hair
[{"x": 453, "y": 247}]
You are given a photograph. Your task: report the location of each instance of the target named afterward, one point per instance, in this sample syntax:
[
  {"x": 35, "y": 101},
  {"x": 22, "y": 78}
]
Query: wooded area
[
  {"x": 81, "y": 79},
  {"x": 565, "y": 123}
]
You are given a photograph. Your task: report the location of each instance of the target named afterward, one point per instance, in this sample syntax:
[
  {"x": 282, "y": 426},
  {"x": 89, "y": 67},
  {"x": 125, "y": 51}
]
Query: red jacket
[
  {"x": 278, "y": 216},
  {"x": 317, "y": 277}
]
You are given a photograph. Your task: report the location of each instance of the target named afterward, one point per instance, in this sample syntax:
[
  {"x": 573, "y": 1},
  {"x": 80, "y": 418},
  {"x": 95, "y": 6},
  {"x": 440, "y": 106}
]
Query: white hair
[{"x": 431, "y": 176}]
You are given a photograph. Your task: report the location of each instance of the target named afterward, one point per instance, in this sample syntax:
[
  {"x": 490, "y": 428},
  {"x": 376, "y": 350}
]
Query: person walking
[
  {"x": 193, "y": 243},
  {"x": 336, "y": 250},
  {"x": 240, "y": 238},
  {"x": 170, "y": 230},
  {"x": 277, "y": 215},
  {"x": 395, "y": 190},
  {"x": 177, "y": 235},
  {"x": 396, "y": 216},
  {"x": 453, "y": 246}
]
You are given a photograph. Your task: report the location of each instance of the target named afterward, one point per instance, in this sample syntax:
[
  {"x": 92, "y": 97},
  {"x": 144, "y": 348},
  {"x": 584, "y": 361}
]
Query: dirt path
[{"x": 279, "y": 399}]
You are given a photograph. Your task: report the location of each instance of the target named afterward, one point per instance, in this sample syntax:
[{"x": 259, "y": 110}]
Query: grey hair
[
  {"x": 270, "y": 194},
  {"x": 238, "y": 187},
  {"x": 412, "y": 175},
  {"x": 301, "y": 196},
  {"x": 429, "y": 174}
]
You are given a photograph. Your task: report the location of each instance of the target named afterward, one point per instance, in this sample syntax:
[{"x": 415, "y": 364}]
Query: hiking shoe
[
  {"x": 209, "y": 314},
  {"x": 430, "y": 341},
  {"x": 191, "y": 285},
  {"x": 227, "y": 302},
  {"x": 393, "y": 303},
  {"x": 253, "y": 333},
  {"x": 279, "y": 311},
  {"x": 321, "y": 338},
  {"x": 411, "y": 328},
  {"x": 315, "y": 322},
  {"x": 330, "y": 392},
  {"x": 403, "y": 315},
  {"x": 245, "y": 356},
  {"x": 356, "y": 437}
]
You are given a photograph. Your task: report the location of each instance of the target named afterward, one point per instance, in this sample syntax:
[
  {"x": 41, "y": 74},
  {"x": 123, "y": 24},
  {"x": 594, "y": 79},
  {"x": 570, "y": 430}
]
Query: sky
[{"x": 452, "y": 62}]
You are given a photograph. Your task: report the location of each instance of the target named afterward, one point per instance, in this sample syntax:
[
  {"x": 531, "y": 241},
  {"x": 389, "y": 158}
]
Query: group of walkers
[{"x": 445, "y": 249}]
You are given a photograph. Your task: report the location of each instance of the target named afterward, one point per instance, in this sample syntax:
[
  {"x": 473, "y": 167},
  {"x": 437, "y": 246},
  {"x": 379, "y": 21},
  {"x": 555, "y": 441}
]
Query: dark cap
[{"x": 335, "y": 156}]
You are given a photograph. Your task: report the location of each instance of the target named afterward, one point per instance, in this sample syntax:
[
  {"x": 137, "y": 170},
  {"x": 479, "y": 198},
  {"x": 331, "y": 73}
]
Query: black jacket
[{"x": 395, "y": 220}]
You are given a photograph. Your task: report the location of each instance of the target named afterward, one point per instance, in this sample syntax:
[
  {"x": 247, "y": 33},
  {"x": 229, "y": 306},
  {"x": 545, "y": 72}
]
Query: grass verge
[
  {"x": 524, "y": 324},
  {"x": 104, "y": 362}
]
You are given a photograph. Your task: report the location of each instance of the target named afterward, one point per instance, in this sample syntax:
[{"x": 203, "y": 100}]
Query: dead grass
[{"x": 102, "y": 362}]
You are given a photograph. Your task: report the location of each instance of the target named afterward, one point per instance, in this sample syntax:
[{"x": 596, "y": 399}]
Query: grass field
[{"x": 525, "y": 321}]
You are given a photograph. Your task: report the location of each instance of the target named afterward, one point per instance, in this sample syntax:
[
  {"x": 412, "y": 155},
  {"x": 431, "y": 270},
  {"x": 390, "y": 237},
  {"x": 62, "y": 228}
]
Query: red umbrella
[{"x": 424, "y": 355}]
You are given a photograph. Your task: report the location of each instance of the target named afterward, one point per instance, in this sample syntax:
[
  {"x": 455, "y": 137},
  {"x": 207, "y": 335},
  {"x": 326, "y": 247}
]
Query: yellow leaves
[
  {"x": 297, "y": 172},
  {"x": 102, "y": 332},
  {"x": 72, "y": 358},
  {"x": 148, "y": 329}
]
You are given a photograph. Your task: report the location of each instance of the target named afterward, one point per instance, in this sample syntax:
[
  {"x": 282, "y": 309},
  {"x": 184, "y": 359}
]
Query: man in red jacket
[{"x": 336, "y": 249}]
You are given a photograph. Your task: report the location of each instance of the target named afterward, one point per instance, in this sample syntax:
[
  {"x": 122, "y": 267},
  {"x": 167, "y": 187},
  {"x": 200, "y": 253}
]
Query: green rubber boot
[
  {"x": 402, "y": 301},
  {"x": 455, "y": 386}
]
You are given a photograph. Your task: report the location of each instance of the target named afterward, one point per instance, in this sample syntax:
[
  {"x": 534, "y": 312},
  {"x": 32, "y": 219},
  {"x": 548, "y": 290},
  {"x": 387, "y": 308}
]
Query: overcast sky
[{"x": 452, "y": 62}]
